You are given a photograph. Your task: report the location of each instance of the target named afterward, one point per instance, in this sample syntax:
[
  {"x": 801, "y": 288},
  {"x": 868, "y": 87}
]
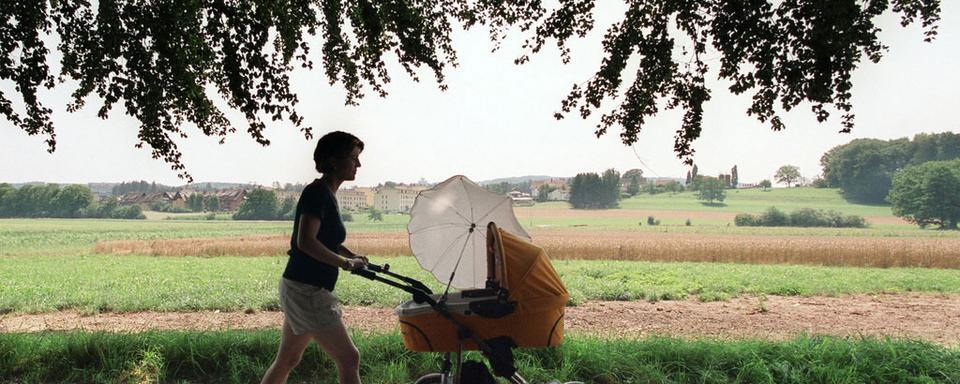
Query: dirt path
[{"x": 915, "y": 316}]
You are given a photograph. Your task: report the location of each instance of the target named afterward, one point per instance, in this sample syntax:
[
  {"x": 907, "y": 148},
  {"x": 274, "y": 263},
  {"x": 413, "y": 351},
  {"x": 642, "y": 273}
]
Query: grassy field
[
  {"x": 135, "y": 283},
  {"x": 50, "y": 265},
  {"x": 757, "y": 200},
  {"x": 243, "y": 356}
]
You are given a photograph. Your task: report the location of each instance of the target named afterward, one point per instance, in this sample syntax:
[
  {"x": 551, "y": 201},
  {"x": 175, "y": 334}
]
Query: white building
[
  {"x": 396, "y": 199},
  {"x": 355, "y": 198},
  {"x": 521, "y": 199}
]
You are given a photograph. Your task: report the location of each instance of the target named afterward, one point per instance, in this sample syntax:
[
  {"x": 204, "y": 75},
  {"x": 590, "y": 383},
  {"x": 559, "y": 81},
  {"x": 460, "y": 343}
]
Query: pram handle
[
  {"x": 420, "y": 292},
  {"x": 385, "y": 269}
]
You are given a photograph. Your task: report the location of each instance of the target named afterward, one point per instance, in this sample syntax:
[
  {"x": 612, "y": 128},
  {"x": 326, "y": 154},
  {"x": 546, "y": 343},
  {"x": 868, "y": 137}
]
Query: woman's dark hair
[{"x": 334, "y": 144}]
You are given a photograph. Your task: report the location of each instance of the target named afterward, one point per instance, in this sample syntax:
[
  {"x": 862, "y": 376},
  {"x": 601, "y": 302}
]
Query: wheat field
[{"x": 613, "y": 245}]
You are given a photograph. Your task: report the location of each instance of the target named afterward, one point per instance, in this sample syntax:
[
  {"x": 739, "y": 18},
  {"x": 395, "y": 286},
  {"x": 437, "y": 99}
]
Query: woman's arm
[{"x": 310, "y": 224}]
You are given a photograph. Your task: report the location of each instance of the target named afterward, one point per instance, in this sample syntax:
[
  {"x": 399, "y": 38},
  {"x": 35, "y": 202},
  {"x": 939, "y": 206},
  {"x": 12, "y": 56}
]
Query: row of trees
[
  {"x": 592, "y": 191},
  {"x": 262, "y": 204},
  {"x": 71, "y": 201},
  {"x": 731, "y": 180},
  {"x": 139, "y": 186},
  {"x": 864, "y": 168}
]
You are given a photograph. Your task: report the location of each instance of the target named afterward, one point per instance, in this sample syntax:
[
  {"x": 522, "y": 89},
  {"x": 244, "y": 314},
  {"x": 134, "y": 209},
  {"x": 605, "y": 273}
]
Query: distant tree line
[
  {"x": 593, "y": 191},
  {"x": 864, "y": 168},
  {"x": 140, "y": 186},
  {"x": 262, "y": 204},
  {"x": 803, "y": 217},
  {"x": 71, "y": 201}
]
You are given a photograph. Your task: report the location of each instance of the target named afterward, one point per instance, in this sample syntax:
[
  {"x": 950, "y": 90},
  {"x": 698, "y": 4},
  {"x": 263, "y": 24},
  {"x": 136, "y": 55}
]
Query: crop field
[
  {"x": 880, "y": 252},
  {"x": 184, "y": 263}
]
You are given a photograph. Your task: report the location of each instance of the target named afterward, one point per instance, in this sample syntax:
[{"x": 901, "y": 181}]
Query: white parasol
[{"x": 448, "y": 230}]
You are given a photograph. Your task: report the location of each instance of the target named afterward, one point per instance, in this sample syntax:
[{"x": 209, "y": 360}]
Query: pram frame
[{"x": 422, "y": 294}]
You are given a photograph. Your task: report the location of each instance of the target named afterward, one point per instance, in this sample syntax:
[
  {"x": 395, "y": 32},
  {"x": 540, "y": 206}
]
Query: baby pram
[{"x": 522, "y": 305}]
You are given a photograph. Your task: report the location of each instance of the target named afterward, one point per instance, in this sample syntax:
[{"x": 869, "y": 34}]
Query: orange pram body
[{"x": 534, "y": 291}]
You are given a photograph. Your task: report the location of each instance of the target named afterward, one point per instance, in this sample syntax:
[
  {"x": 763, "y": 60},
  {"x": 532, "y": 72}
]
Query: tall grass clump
[{"x": 243, "y": 356}]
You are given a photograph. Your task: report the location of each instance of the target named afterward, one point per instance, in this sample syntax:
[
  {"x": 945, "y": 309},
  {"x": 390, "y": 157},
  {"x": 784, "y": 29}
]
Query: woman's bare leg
[
  {"x": 336, "y": 342},
  {"x": 291, "y": 350}
]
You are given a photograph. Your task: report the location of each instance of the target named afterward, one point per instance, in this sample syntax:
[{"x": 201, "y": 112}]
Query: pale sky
[{"x": 496, "y": 120}]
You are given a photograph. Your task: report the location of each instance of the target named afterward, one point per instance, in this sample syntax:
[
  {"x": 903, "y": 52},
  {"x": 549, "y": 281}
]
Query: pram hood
[{"x": 524, "y": 270}]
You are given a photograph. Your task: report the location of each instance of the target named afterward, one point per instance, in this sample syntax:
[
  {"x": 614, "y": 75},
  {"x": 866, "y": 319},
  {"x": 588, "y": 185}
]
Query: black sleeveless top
[{"x": 316, "y": 200}]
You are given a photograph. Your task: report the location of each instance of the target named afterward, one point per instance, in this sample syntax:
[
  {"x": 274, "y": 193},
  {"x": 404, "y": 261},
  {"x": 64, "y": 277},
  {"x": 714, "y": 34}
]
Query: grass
[
  {"x": 757, "y": 200},
  {"x": 243, "y": 356},
  {"x": 94, "y": 284}
]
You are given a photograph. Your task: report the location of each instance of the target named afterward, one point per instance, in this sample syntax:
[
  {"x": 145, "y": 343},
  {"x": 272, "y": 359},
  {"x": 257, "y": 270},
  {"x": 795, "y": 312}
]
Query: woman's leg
[
  {"x": 291, "y": 350},
  {"x": 336, "y": 342}
]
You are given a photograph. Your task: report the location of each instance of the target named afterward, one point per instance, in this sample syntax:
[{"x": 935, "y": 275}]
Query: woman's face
[{"x": 346, "y": 166}]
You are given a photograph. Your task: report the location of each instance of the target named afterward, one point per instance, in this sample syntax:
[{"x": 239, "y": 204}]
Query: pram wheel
[{"x": 432, "y": 378}]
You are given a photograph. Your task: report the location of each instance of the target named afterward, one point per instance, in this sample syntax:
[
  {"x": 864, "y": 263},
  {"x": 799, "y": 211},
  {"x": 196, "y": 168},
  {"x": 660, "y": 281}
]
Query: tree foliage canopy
[
  {"x": 592, "y": 191},
  {"x": 864, "y": 168},
  {"x": 157, "y": 59},
  {"x": 711, "y": 189},
  {"x": 928, "y": 193},
  {"x": 788, "y": 174}
]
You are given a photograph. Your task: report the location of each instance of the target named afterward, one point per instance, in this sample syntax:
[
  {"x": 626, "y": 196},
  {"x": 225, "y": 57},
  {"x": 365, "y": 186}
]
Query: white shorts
[{"x": 308, "y": 308}]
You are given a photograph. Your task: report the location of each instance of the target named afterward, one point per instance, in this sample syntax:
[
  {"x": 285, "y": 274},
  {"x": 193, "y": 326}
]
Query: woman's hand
[{"x": 354, "y": 263}]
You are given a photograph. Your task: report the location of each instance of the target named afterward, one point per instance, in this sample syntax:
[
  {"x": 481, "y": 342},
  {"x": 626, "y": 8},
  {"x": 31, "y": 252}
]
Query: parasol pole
[{"x": 473, "y": 226}]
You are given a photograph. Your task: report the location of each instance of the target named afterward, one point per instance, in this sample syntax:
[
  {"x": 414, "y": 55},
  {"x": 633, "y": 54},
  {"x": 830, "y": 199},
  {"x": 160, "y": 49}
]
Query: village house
[
  {"x": 521, "y": 199},
  {"x": 561, "y": 189},
  {"x": 396, "y": 199},
  {"x": 355, "y": 198},
  {"x": 230, "y": 199},
  {"x": 145, "y": 200}
]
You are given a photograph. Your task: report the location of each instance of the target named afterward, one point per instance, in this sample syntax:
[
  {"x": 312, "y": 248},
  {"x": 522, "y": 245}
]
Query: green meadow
[{"x": 95, "y": 283}]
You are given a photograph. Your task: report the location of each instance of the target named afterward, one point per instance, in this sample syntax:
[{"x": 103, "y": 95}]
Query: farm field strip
[
  {"x": 614, "y": 245},
  {"x": 98, "y": 283},
  {"x": 911, "y": 316}
]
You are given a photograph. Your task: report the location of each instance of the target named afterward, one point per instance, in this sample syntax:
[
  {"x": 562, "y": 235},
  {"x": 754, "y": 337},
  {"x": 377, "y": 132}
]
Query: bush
[
  {"x": 128, "y": 212},
  {"x": 803, "y": 217},
  {"x": 688, "y": 223},
  {"x": 745, "y": 220},
  {"x": 346, "y": 217},
  {"x": 652, "y": 221},
  {"x": 809, "y": 217},
  {"x": 774, "y": 217}
]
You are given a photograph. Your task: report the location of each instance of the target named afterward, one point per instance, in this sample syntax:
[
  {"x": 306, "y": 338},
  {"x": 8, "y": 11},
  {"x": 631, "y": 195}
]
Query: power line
[{"x": 643, "y": 163}]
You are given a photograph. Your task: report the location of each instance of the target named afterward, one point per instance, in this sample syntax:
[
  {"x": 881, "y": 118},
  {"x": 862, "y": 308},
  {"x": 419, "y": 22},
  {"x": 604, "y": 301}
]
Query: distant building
[
  {"x": 521, "y": 199},
  {"x": 559, "y": 195},
  {"x": 355, "y": 198},
  {"x": 560, "y": 185},
  {"x": 398, "y": 198},
  {"x": 144, "y": 199},
  {"x": 230, "y": 199}
]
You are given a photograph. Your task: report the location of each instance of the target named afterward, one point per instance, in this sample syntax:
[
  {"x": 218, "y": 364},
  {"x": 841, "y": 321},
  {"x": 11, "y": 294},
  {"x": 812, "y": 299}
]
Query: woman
[{"x": 311, "y": 311}]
